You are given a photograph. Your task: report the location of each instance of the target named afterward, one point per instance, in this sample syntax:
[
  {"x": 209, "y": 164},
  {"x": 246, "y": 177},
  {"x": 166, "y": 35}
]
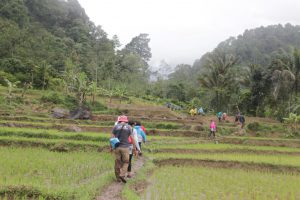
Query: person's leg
[
  {"x": 140, "y": 144},
  {"x": 124, "y": 161},
  {"x": 129, "y": 164},
  {"x": 117, "y": 164}
]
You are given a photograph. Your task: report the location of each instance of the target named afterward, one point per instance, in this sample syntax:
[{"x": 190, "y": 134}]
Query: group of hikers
[
  {"x": 127, "y": 138},
  {"x": 126, "y": 141},
  {"x": 223, "y": 117}
]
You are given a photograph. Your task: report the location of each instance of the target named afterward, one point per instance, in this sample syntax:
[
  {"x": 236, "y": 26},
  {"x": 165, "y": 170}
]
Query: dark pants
[
  {"x": 129, "y": 164},
  {"x": 140, "y": 143},
  {"x": 212, "y": 133}
]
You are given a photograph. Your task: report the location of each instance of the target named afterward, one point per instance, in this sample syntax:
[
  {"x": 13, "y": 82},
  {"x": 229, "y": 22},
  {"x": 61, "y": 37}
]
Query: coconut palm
[{"x": 219, "y": 77}]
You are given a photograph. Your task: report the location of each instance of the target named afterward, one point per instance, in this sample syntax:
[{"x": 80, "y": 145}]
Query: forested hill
[
  {"x": 256, "y": 46},
  {"x": 44, "y": 41},
  {"x": 39, "y": 36}
]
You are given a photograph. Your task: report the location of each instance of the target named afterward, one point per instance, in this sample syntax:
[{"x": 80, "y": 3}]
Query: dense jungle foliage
[{"x": 53, "y": 45}]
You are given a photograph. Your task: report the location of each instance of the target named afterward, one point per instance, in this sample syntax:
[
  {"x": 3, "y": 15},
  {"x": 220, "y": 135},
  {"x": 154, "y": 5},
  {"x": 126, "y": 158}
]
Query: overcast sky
[{"x": 183, "y": 30}]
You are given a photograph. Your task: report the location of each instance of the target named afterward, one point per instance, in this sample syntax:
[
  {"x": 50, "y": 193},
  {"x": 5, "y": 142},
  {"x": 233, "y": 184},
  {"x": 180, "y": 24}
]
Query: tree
[
  {"x": 140, "y": 46},
  {"x": 219, "y": 78}
]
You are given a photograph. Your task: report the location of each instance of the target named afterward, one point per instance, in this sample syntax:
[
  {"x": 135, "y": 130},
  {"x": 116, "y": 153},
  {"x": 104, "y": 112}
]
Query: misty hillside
[{"x": 257, "y": 45}]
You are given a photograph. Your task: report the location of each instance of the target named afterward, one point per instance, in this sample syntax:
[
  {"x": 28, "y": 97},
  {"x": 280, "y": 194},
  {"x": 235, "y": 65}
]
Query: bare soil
[{"x": 114, "y": 191}]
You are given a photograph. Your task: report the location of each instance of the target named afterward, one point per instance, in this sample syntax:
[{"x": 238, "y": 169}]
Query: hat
[{"x": 122, "y": 118}]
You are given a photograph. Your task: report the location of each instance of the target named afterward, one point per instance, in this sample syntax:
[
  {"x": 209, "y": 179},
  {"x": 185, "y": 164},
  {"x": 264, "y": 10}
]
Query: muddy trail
[{"x": 114, "y": 191}]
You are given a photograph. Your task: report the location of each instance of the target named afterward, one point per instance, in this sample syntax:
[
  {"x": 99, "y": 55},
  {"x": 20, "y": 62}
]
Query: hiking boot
[
  {"x": 129, "y": 175},
  {"x": 123, "y": 179}
]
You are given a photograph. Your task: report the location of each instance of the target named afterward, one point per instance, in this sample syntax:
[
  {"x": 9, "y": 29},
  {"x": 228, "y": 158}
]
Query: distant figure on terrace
[
  {"x": 201, "y": 111},
  {"x": 224, "y": 116},
  {"x": 193, "y": 112},
  {"x": 242, "y": 121},
  {"x": 219, "y": 115},
  {"x": 213, "y": 128}
]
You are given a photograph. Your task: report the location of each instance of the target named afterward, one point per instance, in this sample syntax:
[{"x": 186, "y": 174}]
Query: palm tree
[
  {"x": 218, "y": 77},
  {"x": 285, "y": 75}
]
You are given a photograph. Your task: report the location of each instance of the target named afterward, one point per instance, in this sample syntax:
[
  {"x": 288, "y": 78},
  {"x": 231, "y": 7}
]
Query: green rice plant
[
  {"x": 54, "y": 144},
  {"x": 155, "y": 146},
  {"x": 53, "y": 134},
  {"x": 286, "y": 160},
  {"x": 76, "y": 175},
  {"x": 208, "y": 183}
]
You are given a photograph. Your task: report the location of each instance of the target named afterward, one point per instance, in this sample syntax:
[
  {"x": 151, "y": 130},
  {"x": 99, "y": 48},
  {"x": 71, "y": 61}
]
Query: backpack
[{"x": 115, "y": 142}]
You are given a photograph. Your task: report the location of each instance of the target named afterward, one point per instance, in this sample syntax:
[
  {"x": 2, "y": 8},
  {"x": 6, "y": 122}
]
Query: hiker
[
  {"x": 140, "y": 133},
  {"x": 122, "y": 131},
  {"x": 143, "y": 128},
  {"x": 201, "y": 111},
  {"x": 219, "y": 115},
  {"x": 193, "y": 112},
  {"x": 224, "y": 116},
  {"x": 242, "y": 121},
  {"x": 237, "y": 118},
  {"x": 213, "y": 128},
  {"x": 132, "y": 151}
]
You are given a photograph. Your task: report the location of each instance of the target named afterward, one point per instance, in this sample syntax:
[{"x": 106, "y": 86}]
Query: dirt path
[{"x": 113, "y": 191}]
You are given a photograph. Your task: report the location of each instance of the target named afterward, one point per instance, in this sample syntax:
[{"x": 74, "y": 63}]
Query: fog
[{"x": 183, "y": 30}]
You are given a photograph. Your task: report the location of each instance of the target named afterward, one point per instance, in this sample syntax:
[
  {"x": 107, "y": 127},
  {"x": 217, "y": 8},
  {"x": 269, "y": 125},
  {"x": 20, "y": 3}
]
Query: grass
[
  {"x": 211, "y": 146},
  {"x": 207, "y": 183},
  {"x": 76, "y": 175},
  {"x": 286, "y": 160},
  {"x": 54, "y": 144},
  {"x": 53, "y": 134}
]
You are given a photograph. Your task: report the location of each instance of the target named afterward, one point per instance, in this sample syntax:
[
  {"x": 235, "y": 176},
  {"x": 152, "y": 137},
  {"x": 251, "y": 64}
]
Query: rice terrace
[
  {"x": 43, "y": 158},
  {"x": 149, "y": 100}
]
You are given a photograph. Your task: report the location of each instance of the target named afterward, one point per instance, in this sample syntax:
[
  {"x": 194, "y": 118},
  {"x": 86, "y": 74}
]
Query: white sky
[{"x": 181, "y": 31}]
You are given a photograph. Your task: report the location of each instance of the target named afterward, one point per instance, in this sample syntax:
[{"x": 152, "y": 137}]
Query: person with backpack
[
  {"x": 132, "y": 150},
  {"x": 122, "y": 131},
  {"x": 213, "y": 128},
  {"x": 242, "y": 121},
  {"x": 219, "y": 115},
  {"x": 140, "y": 133}
]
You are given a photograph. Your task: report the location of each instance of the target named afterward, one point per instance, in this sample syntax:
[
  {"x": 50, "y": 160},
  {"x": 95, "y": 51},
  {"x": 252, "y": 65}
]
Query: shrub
[
  {"x": 52, "y": 97},
  {"x": 254, "y": 126},
  {"x": 96, "y": 106}
]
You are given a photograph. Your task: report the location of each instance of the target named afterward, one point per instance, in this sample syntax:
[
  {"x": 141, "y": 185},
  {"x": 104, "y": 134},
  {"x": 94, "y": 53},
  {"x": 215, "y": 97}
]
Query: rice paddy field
[{"x": 43, "y": 158}]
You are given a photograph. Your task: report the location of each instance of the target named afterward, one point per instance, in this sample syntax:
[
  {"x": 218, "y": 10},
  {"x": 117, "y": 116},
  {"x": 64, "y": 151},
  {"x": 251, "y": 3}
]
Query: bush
[
  {"x": 96, "y": 106},
  {"x": 70, "y": 102},
  {"x": 52, "y": 97},
  {"x": 255, "y": 126}
]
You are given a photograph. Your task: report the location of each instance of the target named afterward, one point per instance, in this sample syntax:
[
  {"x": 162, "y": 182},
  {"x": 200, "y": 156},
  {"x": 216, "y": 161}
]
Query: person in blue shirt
[{"x": 140, "y": 133}]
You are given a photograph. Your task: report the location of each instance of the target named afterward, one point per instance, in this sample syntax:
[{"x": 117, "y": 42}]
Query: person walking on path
[
  {"x": 140, "y": 133},
  {"x": 213, "y": 128},
  {"x": 132, "y": 150},
  {"x": 122, "y": 131}
]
